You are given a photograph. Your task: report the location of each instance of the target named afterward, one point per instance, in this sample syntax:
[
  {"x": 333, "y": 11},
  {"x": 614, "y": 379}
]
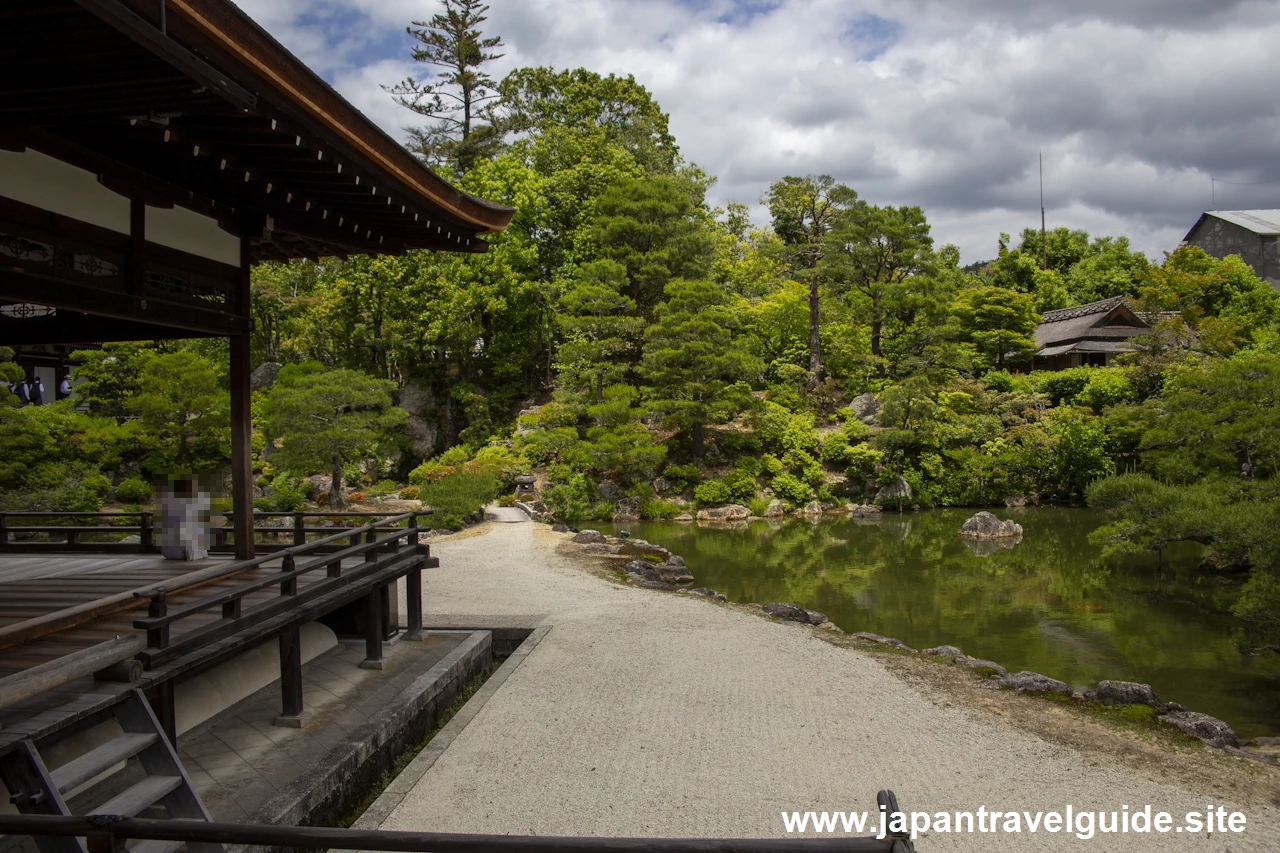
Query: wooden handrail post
[
  {"x": 158, "y": 638},
  {"x": 290, "y": 585},
  {"x": 370, "y": 537},
  {"x": 299, "y": 530},
  {"x": 413, "y": 530},
  {"x": 145, "y": 534},
  {"x": 4, "y": 531}
]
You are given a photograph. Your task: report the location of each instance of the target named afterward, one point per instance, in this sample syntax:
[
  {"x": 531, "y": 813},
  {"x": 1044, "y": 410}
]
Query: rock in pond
[
  {"x": 729, "y": 512},
  {"x": 811, "y": 508},
  {"x": 816, "y": 617},
  {"x": 642, "y": 569},
  {"x": 944, "y": 652},
  {"x": 560, "y": 528},
  {"x": 775, "y": 509},
  {"x": 1034, "y": 682},
  {"x": 1127, "y": 693},
  {"x": 673, "y": 573},
  {"x": 665, "y": 587},
  {"x": 984, "y": 525},
  {"x": 1209, "y": 729},
  {"x": 589, "y": 537},
  {"x": 864, "y": 511},
  {"x": 684, "y": 516},
  {"x": 787, "y": 611},
  {"x": 704, "y": 591}
]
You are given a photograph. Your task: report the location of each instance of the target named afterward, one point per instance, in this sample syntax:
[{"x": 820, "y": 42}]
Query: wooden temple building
[
  {"x": 1086, "y": 335},
  {"x": 151, "y": 152}
]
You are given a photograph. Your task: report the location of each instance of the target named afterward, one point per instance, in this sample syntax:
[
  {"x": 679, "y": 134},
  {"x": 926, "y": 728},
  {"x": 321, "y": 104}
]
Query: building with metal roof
[
  {"x": 1254, "y": 235},
  {"x": 1092, "y": 334}
]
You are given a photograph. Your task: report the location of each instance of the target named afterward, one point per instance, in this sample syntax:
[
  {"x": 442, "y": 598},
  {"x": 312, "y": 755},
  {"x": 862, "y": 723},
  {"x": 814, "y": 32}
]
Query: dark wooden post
[
  {"x": 166, "y": 711},
  {"x": 299, "y": 530},
  {"x": 291, "y": 715},
  {"x": 413, "y": 604},
  {"x": 372, "y": 630},
  {"x": 158, "y": 638},
  {"x": 241, "y": 449},
  {"x": 145, "y": 534},
  {"x": 4, "y": 531}
]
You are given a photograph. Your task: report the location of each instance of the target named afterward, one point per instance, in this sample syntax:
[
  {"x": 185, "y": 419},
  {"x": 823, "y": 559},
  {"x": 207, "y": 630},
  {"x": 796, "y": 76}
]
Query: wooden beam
[
  {"x": 55, "y": 673},
  {"x": 18, "y": 285}
]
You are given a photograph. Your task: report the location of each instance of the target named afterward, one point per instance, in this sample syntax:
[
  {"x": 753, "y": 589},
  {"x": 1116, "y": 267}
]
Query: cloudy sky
[{"x": 1136, "y": 104}]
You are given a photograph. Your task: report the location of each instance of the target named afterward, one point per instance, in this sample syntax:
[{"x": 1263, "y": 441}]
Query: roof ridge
[{"x": 1059, "y": 314}]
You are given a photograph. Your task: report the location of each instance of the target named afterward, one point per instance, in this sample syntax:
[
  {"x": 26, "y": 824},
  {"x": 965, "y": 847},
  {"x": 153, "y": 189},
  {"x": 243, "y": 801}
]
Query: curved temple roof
[{"x": 205, "y": 110}]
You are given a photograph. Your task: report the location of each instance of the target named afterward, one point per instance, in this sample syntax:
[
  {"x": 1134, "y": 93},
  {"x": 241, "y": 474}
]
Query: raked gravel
[{"x": 656, "y": 714}]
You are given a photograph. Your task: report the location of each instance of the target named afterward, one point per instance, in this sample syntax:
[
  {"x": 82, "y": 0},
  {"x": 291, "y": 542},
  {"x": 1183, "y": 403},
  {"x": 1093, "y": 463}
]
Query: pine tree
[
  {"x": 458, "y": 101},
  {"x": 696, "y": 370}
]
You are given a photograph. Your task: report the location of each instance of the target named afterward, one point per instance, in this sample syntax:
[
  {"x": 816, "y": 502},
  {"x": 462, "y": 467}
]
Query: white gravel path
[{"x": 650, "y": 714}]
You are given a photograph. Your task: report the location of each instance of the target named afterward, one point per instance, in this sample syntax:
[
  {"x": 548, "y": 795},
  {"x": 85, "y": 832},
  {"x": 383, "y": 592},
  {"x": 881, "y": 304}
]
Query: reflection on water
[{"x": 1050, "y": 603}]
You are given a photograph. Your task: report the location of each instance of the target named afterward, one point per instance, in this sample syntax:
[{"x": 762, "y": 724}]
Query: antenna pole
[{"x": 1044, "y": 244}]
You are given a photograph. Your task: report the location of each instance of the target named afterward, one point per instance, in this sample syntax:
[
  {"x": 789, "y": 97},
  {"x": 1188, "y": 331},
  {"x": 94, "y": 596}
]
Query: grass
[
  {"x": 1142, "y": 719},
  {"x": 411, "y": 752}
]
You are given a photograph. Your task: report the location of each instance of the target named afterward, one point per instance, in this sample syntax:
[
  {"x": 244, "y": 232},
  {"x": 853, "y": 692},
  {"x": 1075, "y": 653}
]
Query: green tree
[
  {"x": 655, "y": 231},
  {"x": 185, "y": 415},
  {"x": 872, "y": 255},
  {"x": 601, "y": 328},
  {"x": 617, "y": 110},
  {"x": 462, "y": 128},
  {"x": 804, "y": 210},
  {"x": 328, "y": 418},
  {"x": 695, "y": 367},
  {"x": 997, "y": 323}
]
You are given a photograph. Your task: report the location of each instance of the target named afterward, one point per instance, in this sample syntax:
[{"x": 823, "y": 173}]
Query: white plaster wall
[
  {"x": 42, "y": 181},
  {"x": 188, "y": 231}
]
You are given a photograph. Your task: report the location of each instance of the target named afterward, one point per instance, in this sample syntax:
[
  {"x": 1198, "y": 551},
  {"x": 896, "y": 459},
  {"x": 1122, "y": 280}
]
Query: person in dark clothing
[
  {"x": 35, "y": 392},
  {"x": 23, "y": 392}
]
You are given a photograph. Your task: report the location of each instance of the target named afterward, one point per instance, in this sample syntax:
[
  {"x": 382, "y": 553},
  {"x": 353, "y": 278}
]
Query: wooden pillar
[
  {"x": 413, "y": 604},
  {"x": 165, "y": 710},
  {"x": 372, "y": 630},
  {"x": 241, "y": 449},
  {"x": 292, "y": 711}
]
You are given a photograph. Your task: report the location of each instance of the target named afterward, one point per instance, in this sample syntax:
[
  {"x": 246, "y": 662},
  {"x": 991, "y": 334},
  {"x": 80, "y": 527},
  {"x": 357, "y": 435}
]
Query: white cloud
[{"x": 943, "y": 104}]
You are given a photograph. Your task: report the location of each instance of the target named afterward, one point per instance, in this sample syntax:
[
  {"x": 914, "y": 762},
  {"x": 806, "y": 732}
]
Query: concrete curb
[{"x": 402, "y": 785}]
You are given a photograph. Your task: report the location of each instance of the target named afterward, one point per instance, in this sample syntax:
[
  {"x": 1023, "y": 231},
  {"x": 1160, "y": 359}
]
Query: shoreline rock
[{"x": 728, "y": 512}]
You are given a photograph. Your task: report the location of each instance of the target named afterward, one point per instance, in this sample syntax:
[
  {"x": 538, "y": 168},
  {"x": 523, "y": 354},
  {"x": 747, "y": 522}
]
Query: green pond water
[{"x": 1050, "y": 604}]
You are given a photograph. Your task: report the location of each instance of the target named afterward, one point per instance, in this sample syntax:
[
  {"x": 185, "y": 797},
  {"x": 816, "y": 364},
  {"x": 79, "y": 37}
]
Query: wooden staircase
[{"x": 35, "y": 789}]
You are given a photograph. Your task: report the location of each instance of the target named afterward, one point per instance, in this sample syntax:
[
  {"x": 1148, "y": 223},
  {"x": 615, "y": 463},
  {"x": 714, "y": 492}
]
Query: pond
[{"x": 1050, "y": 604}]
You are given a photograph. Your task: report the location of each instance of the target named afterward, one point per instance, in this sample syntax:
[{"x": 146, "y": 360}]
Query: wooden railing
[
  {"x": 68, "y": 528},
  {"x": 382, "y": 555},
  {"x": 108, "y": 833},
  {"x": 296, "y": 532}
]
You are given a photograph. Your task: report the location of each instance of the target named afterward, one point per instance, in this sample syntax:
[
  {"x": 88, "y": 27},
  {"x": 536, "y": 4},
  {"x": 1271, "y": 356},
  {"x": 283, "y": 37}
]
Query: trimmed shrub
[
  {"x": 355, "y": 496},
  {"x": 713, "y": 492},
  {"x": 787, "y": 487},
  {"x": 409, "y": 493},
  {"x": 262, "y": 504},
  {"x": 659, "y": 509},
  {"x": 288, "y": 494},
  {"x": 133, "y": 490}
]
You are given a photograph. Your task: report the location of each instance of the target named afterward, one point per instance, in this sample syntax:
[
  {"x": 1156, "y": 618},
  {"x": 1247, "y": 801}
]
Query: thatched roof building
[{"x": 1091, "y": 334}]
